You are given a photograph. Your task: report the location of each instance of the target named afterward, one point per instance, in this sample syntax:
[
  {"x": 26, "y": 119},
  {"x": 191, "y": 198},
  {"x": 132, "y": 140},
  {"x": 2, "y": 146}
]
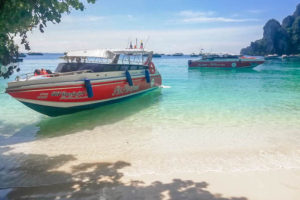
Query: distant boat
[
  {"x": 194, "y": 55},
  {"x": 15, "y": 60},
  {"x": 225, "y": 61},
  {"x": 272, "y": 57},
  {"x": 22, "y": 55},
  {"x": 177, "y": 54},
  {"x": 156, "y": 55},
  {"x": 35, "y": 54},
  {"x": 291, "y": 57}
]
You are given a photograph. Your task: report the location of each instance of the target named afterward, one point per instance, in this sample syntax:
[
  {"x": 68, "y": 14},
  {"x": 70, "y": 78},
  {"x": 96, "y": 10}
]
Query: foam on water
[{"x": 165, "y": 86}]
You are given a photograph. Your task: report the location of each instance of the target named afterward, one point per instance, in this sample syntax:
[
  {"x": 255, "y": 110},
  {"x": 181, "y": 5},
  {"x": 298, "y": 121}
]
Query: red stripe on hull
[
  {"x": 101, "y": 91},
  {"x": 62, "y": 86},
  {"x": 224, "y": 64}
]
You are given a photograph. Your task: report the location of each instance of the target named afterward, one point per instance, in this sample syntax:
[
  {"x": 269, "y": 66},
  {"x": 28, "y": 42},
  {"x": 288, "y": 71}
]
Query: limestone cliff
[{"x": 278, "y": 38}]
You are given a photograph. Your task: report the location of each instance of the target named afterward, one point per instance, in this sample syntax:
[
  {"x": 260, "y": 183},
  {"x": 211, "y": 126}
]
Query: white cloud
[
  {"x": 189, "y": 16},
  {"x": 214, "y": 19},
  {"x": 255, "y": 11},
  {"x": 190, "y": 13},
  {"x": 130, "y": 17},
  {"x": 230, "y": 39},
  {"x": 82, "y": 19}
]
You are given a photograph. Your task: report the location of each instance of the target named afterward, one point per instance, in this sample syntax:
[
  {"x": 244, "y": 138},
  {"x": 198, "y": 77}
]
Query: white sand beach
[{"x": 115, "y": 161}]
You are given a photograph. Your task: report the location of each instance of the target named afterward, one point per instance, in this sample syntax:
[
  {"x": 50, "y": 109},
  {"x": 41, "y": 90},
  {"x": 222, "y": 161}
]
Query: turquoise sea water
[
  {"x": 207, "y": 108},
  {"x": 270, "y": 93}
]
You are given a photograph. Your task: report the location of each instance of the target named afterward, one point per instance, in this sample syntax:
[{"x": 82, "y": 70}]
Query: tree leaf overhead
[{"x": 17, "y": 17}]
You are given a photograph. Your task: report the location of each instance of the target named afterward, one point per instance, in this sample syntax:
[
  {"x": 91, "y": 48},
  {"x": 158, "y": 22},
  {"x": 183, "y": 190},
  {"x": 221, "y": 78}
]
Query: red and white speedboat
[
  {"x": 87, "y": 79},
  {"x": 225, "y": 61}
]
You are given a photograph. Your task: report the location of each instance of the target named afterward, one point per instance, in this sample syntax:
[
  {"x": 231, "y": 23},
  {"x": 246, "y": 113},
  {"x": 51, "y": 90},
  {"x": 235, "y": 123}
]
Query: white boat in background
[
  {"x": 272, "y": 57},
  {"x": 291, "y": 57},
  {"x": 225, "y": 61},
  {"x": 194, "y": 55},
  {"x": 177, "y": 54}
]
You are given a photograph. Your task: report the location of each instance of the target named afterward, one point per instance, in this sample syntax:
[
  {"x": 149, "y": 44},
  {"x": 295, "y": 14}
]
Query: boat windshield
[
  {"x": 215, "y": 56},
  {"x": 109, "y": 56}
]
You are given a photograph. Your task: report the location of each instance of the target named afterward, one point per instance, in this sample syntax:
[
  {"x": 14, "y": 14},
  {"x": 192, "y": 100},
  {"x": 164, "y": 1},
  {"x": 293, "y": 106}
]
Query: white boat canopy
[{"x": 105, "y": 53}]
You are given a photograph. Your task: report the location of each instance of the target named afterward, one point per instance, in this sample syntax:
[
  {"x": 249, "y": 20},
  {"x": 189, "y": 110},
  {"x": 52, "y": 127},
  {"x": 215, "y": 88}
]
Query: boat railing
[
  {"x": 129, "y": 58},
  {"x": 68, "y": 73},
  {"x": 31, "y": 76}
]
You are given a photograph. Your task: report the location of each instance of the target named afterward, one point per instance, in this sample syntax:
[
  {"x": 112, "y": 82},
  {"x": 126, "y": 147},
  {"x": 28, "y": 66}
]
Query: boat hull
[
  {"x": 291, "y": 58},
  {"x": 57, "y": 111},
  {"x": 54, "y": 99},
  {"x": 225, "y": 64}
]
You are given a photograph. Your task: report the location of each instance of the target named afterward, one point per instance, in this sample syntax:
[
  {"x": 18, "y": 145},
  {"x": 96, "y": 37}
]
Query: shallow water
[
  {"x": 199, "y": 121},
  {"x": 265, "y": 98}
]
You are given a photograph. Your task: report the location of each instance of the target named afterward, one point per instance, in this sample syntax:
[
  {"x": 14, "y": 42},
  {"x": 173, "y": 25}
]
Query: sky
[{"x": 165, "y": 26}]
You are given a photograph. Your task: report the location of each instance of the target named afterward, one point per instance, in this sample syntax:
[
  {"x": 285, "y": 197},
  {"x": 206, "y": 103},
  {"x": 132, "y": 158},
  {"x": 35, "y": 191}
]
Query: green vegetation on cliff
[{"x": 278, "y": 38}]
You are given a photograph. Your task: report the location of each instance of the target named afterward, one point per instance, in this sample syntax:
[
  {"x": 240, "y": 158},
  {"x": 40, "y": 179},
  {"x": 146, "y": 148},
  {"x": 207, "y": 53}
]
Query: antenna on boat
[
  {"x": 128, "y": 40},
  {"x": 146, "y": 42}
]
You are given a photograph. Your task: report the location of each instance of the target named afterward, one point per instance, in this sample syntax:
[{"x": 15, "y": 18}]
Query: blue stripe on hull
[{"x": 57, "y": 111}]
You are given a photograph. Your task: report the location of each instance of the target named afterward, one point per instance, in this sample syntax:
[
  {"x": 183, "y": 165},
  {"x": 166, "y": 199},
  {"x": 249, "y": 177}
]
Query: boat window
[
  {"x": 67, "y": 67},
  {"x": 95, "y": 67},
  {"x": 124, "y": 67},
  {"x": 134, "y": 67},
  {"x": 107, "y": 68}
]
